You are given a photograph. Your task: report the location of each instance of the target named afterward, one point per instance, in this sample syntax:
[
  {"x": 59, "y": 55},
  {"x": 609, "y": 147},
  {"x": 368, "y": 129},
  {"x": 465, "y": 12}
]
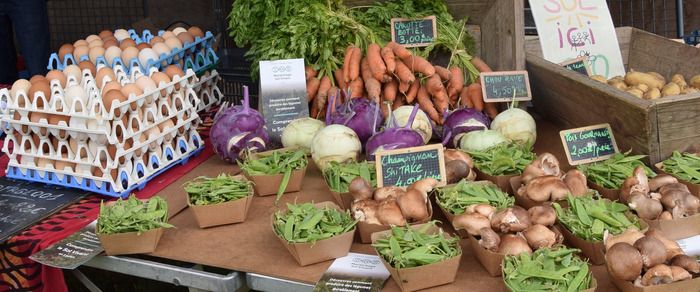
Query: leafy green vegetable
[
  {"x": 457, "y": 198},
  {"x": 307, "y": 223},
  {"x": 588, "y": 218},
  {"x": 223, "y": 188},
  {"x": 684, "y": 166},
  {"x": 339, "y": 175},
  {"x": 503, "y": 159},
  {"x": 611, "y": 173},
  {"x": 547, "y": 270},
  {"x": 133, "y": 215},
  {"x": 407, "y": 247},
  {"x": 274, "y": 162}
]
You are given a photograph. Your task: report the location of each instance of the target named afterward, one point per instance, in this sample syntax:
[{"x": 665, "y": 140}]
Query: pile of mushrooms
[
  {"x": 659, "y": 198},
  {"x": 648, "y": 259},
  {"x": 544, "y": 181},
  {"x": 510, "y": 231},
  {"x": 391, "y": 205},
  {"x": 458, "y": 165}
]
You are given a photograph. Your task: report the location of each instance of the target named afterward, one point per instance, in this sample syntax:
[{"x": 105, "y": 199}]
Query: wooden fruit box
[
  {"x": 496, "y": 25},
  {"x": 652, "y": 127}
]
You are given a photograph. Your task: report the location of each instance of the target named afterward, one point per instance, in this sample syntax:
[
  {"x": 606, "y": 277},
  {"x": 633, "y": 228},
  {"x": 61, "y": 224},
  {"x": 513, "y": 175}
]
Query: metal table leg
[
  {"x": 168, "y": 273},
  {"x": 266, "y": 283}
]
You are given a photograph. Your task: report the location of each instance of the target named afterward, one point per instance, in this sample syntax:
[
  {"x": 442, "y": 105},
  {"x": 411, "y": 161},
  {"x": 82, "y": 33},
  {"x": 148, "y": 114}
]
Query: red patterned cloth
[{"x": 19, "y": 273}]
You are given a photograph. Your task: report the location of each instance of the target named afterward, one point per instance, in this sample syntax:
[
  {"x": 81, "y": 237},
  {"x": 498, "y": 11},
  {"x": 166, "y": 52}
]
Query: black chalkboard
[
  {"x": 588, "y": 144},
  {"x": 403, "y": 167},
  {"x": 499, "y": 86},
  {"x": 23, "y": 204},
  {"x": 579, "y": 65},
  {"x": 413, "y": 32}
]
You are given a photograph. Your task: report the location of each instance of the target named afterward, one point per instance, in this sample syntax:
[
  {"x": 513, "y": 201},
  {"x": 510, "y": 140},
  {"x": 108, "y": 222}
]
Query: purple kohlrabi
[
  {"x": 358, "y": 114},
  {"x": 394, "y": 136},
  {"x": 460, "y": 122}
]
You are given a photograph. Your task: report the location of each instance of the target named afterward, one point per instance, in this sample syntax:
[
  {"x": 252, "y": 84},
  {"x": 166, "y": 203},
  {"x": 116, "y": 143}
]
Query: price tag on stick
[
  {"x": 402, "y": 167},
  {"x": 505, "y": 86},
  {"x": 579, "y": 65},
  {"x": 588, "y": 144},
  {"x": 411, "y": 32}
]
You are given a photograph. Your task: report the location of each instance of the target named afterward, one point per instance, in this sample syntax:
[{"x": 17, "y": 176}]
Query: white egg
[
  {"x": 92, "y": 37},
  {"x": 74, "y": 71},
  {"x": 147, "y": 54},
  {"x": 173, "y": 43},
  {"x": 73, "y": 93},
  {"x": 161, "y": 48},
  {"x": 111, "y": 53},
  {"x": 179, "y": 30},
  {"x": 121, "y": 34},
  {"x": 146, "y": 84}
]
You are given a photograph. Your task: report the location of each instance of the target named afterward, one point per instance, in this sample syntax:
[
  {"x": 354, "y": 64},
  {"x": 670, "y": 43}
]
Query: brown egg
[
  {"x": 55, "y": 119},
  {"x": 106, "y": 33},
  {"x": 104, "y": 71},
  {"x": 143, "y": 45},
  {"x": 173, "y": 43},
  {"x": 129, "y": 53},
  {"x": 127, "y": 43},
  {"x": 110, "y": 42},
  {"x": 130, "y": 89},
  {"x": 168, "y": 34},
  {"x": 111, "y": 96},
  {"x": 112, "y": 85},
  {"x": 39, "y": 86},
  {"x": 196, "y": 32},
  {"x": 96, "y": 52},
  {"x": 87, "y": 65},
  {"x": 62, "y": 165},
  {"x": 185, "y": 38},
  {"x": 64, "y": 50},
  {"x": 36, "y": 117},
  {"x": 80, "y": 51},
  {"x": 57, "y": 75},
  {"x": 96, "y": 43},
  {"x": 79, "y": 43},
  {"x": 36, "y": 78},
  {"x": 92, "y": 38},
  {"x": 156, "y": 39},
  {"x": 173, "y": 70},
  {"x": 159, "y": 77}
]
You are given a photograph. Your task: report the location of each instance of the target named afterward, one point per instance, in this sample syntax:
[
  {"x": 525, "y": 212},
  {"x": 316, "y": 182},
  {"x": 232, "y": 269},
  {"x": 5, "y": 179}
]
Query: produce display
[
  {"x": 132, "y": 215},
  {"x": 391, "y": 205},
  {"x": 466, "y": 197},
  {"x": 558, "y": 269},
  {"x": 274, "y": 162},
  {"x": 408, "y": 247},
  {"x": 648, "y": 259},
  {"x": 543, "y": 180},
  {"x": 684, "y": 166},
  {"x": 589, "y": 219},
  {"x": 652, "y": 85},
  {"x": 216, "y": 190},
  {"x": 237, "y": 129},
  {"x": 661, "y": 197},
  {"x": 503, "y": 159},
  {"x": 338, "y": 176},
  {"x": 306, "y": 223},
  {"x": 611, "y": 173}
]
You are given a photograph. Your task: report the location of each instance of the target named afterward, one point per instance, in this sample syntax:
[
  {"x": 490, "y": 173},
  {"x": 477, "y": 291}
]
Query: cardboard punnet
[
  {"x": 222, "y": 213},
  {"x": 366, "y": 229},
  {"x": 417, "y": 278},
  {"x": 694, "y": 188},
  {"x": 130, "y": 242},
  {"x": 320, "y": 251},
  {"x": 677, "y": 228},
  {"x": 344, "y": 200},
  {"x": 267, "y": 185},
  {"x": 491, "y": 261},
  {"x": 502, "y": 181},
  {"x": 611, "y": 194}
]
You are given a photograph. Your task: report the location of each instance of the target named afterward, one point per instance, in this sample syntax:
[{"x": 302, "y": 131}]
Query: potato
[
  {"x": 689, "y": 90},
  {"x": 677, "y": 78},
  {"x": 657, "y": 76},
  {"x": 599, "y": 78},
  {"x": 618, "y": 84},
  {"x": 636, "y": 92},
  {"x": 695, "y": 81},
  {"x": 653, "y": 93},
  {"x": 671, "y": 89},
  {"x": 643, "y": 87},
  {"x": 636, "y": 78},
  {"x": 616, "y": 79}
]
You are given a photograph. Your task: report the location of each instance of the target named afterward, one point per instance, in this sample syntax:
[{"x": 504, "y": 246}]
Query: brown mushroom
[
  {"x": 660, "y": 181},
  {"x": 483, "y": 209},
  {"x": 365, "y": 211},
  {"x": 425, "y": 185},
  {"x": 686, "y": 262},
  {"x": 653, "y": 251},
  {"x": 413, "y": 205},
  {"x": 666, "y": 215},
  {"x": 539, "y": 236},
  {"x": 489, "y": 239},
  {"x": 389, "y": 213},
  {"x": 513, "y": 219},
  {"x": 624, "y": 261},
  {"x": 545, "y": 188},
  {"x": 659, "y": 274},
  {"x": 557, "y": 233},
  {"x": 454, "y": 154},
  {"x": 680, "y": 274},
  {"x": 672, "y": 247},
  {"x": 360, "y": 189},
  {"x": 543, "y": 214},
  {"x": 645, "y": 207},
  {"x": 471, "y": 222},
  {"x": 677, "y": 198},
  {"x": 384, "y": 193},
  {"x": 513, "y": 245},
  {"x": 456, "y": 170},
  {"x": 544, "y": 164},
  {"x": 575, "y": 180},
  {"x": 629, "y": 236},
  {"x": 637, "y": 182}
]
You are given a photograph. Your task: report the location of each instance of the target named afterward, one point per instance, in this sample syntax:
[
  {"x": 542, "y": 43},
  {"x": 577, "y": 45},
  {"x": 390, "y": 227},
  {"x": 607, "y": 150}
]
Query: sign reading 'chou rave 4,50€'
[
  {"x": 588, "y": 144},
  {"x": 402, "y": 167}
]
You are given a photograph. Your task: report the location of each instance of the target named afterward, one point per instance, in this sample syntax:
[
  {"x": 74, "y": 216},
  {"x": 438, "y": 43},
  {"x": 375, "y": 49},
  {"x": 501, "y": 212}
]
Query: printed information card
[
  {"x": 282, "y": 95},
  {"x": 354, "y": 273}
]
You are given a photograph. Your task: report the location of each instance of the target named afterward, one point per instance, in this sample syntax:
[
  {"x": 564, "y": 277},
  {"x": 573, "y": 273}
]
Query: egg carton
[
  {"x": 131, "y": 174},
  {"x": 207, "y": 90},
  {"x": 198, "y": 56}
]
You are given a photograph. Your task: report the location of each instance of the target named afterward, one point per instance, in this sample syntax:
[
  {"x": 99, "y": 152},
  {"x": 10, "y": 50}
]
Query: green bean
[
  {"x": 611, "y": 173},
  {"x": 503, "y": 159},
  {"x": 133, "y": 215},
  {"x": 684, "y": 166},
  {"x": 308, "y": 223},
  {"x": 547, "y": 270}
]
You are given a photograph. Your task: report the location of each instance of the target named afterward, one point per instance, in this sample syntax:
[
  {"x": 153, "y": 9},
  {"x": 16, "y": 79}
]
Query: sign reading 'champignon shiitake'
[
  {"x": 402, "y": 167},
  {"x": 588, "y": 144}
]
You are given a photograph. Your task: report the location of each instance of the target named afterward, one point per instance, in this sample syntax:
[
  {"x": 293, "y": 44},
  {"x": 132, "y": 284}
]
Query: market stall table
[{"x": 251, "y": 247}]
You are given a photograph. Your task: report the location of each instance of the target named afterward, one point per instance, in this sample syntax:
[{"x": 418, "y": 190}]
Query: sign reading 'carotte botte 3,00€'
[
  {"x": 414, "y": 32},
  {"x": 402, "y": 167}
]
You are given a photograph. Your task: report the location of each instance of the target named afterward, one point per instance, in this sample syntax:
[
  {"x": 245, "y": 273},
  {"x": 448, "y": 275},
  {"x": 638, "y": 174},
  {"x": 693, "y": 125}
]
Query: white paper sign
[
  {"x": 690, "y": 245},
  {"x": 282, "y": 94},
  {"x": 355, "y": 272},
  {"x": 569, "y": 29}
]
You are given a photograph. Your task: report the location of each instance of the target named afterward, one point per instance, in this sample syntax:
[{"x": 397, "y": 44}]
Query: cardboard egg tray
[
  {"x": 107, "y": 152},
  {"x": 207, "y": 90},
  {"x": 198, "y": 56}
]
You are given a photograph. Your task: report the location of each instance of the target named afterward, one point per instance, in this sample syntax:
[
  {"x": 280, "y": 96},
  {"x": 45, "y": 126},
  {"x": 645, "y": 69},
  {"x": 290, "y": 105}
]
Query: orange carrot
[
  {"x": 310, "y": 72},
  {"x": 397, "y": 103},
  {"x": 357, "y": 88},
  {"x": 464, "y": 99},
  {"x": 434, "y": 85},
  {"x": 375, "y": 62},
  {"x": 444, "y": 74},
  {"x": 354, "y": 70},
  {"x": 427, "y": 105},
  {"x": 339, "y": 79},
  {"x": 420, "y": 65},
  {"x": 346, "y": 63},
  {"x": 476, "y": 96},
  {"x": 404, "y": 74},
  {"x": 374, "y": 90},
  {"x": 404, "y": 86},
  {"x": 481, "y": 65},
  {"x": 320, "y": 102},
  {"x": 399, "y": 50},
  {"x": 456, "y": 82},
  {"x": 390, "y": 90},
  {"x": 311, "y": 88},
  {"x": 412, "y": 92},
  {"x": 389, "y": 59},
  {"x": 365, "y": 71},
  {"x": 491, "y": 109},
  {"x": 441, "y": 101}
]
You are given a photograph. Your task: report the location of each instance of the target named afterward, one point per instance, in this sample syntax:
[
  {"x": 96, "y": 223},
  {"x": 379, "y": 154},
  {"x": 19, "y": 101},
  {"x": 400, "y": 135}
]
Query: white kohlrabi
[
  {"x": 421, "y": 124},
  {"x": 299, "y": 133},
  {"x": 481, "y": 140},
  {"x": 517, "y": 125},
  {"x": 335, "y": 143}
]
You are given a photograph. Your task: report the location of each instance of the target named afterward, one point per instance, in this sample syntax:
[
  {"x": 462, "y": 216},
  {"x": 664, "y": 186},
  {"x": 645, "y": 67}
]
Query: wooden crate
[
  {"x": 653, "y": 127},
  {"x": 497, "y": 28}
]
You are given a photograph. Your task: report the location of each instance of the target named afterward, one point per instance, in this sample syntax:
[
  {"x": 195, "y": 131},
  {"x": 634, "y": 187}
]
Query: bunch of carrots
[{"x": 393, "y": 75}]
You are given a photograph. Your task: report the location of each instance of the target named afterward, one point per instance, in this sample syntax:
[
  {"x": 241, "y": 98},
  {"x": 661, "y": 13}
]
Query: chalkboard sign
[
  {"x": 588, "y": 144},
  {"x": 413, "y": 32},
  {"x": 282, "y": 95},
  {"x": 23, "y": 204},
  {"x": 505, "y": 86},
  {"x": 402, "y": 167},
  {"x": 579, "y": 65}
]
